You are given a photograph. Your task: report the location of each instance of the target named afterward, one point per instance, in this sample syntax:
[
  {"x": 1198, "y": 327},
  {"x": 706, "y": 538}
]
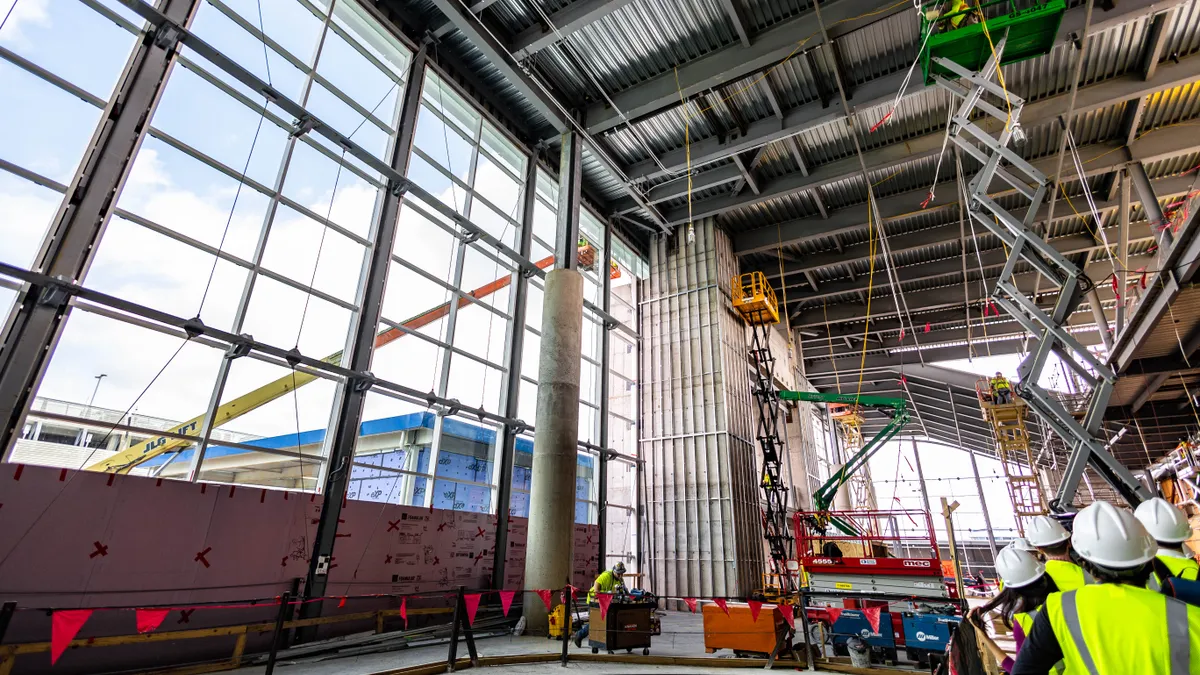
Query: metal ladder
[
  {"x": 1084, "y": 438},
  {"x": 774, "y": 516}
]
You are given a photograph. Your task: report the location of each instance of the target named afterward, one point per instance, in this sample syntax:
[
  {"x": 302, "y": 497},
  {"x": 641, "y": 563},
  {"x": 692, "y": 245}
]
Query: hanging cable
[{"x": 687, "y": 143}]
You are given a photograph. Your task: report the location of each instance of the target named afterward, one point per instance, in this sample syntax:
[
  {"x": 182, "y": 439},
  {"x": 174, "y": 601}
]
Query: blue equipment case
[
  {"x": 926, "y": 635},
  {"x": 852, "y": 623}
]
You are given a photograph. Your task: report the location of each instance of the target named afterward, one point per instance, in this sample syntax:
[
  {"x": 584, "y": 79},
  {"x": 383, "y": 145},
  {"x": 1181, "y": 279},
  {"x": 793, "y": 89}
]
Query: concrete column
[{"x": 548, "y": 553}]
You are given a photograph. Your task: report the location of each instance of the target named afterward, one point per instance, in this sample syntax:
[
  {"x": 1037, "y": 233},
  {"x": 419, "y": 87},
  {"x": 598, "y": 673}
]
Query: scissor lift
[
  {"x": 979, "y": 93},
  {"x": 754, "y": 299}
]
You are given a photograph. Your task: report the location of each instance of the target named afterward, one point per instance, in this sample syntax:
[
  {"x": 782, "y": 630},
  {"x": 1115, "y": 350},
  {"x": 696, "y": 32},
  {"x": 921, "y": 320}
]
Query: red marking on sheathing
[
  {"x": 231, "y": 489},
  {"x": 263, "y": 497},
  {"x": 200, "y": 557},
  {"x": 20, "y": 470},
  {"x": 111, "y": 477},
  {"x": 158, "y": 483},
  {"x": 101, "y": 550},
  {"x": 62, "y": 475},
  {"x": 393, "y": 525}
]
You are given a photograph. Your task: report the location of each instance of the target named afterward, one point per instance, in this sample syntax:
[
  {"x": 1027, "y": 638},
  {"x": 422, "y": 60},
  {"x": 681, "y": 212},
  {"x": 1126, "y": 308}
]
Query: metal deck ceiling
[{"x": 749, "y": 85}]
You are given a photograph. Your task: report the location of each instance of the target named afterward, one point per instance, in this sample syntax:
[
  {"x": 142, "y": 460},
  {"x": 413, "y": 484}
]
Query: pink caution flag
[
  {"x": 755, "y": 607},
  {"x": 834, "y": 613},
  {"x": 872, "y": 615},
  {"x": 604, "y": 599},
  {"x": 148, "y": 620},
  {"x": 788, "y": 616},
  {"x": 404, "y": 611},
  {"x": 720, "y": 602},
  {"x": 544, "y": 594},
  {"x": 506, "y": 598},
  {"x": 472, "y": 602},
  {"x": 691, "y": 603},
  {"x": 64, "y": 626}
]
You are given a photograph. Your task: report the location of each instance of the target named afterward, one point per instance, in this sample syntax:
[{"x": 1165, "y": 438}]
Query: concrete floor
[{"x": 683, "y": 635}]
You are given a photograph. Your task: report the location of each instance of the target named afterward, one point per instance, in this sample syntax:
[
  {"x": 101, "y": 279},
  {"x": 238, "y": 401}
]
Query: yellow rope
[
  {"x": 687, "y": 143},
  {"x": 862, "y": 362}
]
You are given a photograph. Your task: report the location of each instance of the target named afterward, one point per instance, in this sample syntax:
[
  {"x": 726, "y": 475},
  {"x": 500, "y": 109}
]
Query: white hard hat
[
  {"x": 1112, "y": 537},
  {"x": 1017, "y": 567},
  {"x": 1045, "y": 531},
  {"x": 1163, "y": 520},
  {"x": 1023, "y": 544}
]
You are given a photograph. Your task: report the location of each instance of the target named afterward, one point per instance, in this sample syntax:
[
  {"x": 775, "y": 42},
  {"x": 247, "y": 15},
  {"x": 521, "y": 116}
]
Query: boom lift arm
[{"x": 898, "y": 407}]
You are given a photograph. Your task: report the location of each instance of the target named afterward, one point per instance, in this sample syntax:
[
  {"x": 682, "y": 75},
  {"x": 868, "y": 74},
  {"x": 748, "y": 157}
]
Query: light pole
[{"x": 92, "y": 400}]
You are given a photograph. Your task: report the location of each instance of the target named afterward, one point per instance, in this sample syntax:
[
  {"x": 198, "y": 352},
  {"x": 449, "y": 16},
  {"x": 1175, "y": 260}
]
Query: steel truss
[{"x": 1085, "y": 438}]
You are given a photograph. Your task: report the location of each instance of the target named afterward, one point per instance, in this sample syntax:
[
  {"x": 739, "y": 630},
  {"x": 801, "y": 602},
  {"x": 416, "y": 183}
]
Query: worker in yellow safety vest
[
  {"x": 1116, "y": 625},
  {"x": 1169, "y": 527},
  {"x": 607, "y": 582},
  {"x": 1001, "y": 390},
  {"x": 962, "y": 17},
  {"x": 1053, "y": 544},
  {"x": 1026, "y": 587}
]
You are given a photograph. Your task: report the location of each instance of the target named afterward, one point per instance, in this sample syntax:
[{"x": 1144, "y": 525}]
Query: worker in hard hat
[
  {"x": 607, "y": 582},
  {"x": 1026, "y": 587},
  {"x": 1021, "y": 544},
  {"x": 1001, "y": 389},
  {"x": 1169, "y": 527},
  {"x": 1053, "y": 544},
  {"x": 1115, "y": 625}
]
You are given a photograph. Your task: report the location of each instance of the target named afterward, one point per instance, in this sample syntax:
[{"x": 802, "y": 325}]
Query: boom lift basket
[{"x": 1030, "y": 31}]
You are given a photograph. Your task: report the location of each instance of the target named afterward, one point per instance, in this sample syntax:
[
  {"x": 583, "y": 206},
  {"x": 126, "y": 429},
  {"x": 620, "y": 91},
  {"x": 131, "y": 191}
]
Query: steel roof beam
[
  {"x": 734, "y": 13},
  {"x": 810, "y": 115},
  {"x": 1095, "y": 97},
  {"x": 776, "y": 44},
  {"x": 569, "y": 19},
  {"x": 952, "y": 296},
  {"x": 1099, "y": 158},
  {"x": 732, "y": 63}
]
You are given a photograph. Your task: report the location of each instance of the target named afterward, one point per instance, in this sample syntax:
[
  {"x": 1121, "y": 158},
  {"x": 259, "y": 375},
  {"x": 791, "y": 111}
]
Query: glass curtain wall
[
  {"x": 626, "y": 271},
  {"x": 231, "y": 216}
]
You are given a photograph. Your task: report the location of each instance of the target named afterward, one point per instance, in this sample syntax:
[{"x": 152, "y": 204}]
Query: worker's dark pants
[
  {"x": 1003, "y": 396},
  {"x": 582, "y": 633}
]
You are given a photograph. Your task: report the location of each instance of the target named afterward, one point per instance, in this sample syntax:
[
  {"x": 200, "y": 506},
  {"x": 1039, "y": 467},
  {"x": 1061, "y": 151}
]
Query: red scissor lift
[{"x": 891, "y": 562}]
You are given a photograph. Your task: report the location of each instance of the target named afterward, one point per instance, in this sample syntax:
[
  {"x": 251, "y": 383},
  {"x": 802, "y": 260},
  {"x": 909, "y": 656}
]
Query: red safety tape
[
  {"x": 1115, "y": 288},
  {"x": 928, "y": 198},
  {"x": 880, "y": 122}
]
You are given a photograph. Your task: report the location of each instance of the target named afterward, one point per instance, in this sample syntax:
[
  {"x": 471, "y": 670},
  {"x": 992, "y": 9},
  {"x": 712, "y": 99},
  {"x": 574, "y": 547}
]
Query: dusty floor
[{"x": 683, "y": 635}]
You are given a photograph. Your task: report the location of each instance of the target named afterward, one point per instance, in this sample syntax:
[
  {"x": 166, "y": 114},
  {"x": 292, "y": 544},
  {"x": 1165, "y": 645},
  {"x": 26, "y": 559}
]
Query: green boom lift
[{"x": 823, "y": 498}]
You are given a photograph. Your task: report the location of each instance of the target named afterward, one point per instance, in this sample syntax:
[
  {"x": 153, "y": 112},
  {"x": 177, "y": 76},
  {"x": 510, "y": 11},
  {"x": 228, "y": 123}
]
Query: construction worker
[
  {"x": 608, "y": 582},
  {"x": 1026, "y": 587},
  {"x": 1169, "y": 527},
  {"x": 1116, "y": 625},
  {"x": 1053, "y": 543},
  {"x": 1001, "y": 390}
]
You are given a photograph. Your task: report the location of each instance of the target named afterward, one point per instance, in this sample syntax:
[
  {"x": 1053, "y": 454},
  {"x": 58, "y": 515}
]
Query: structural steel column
[
  {"x": 1154, "y": 214},
  {"x": 602, "y": 466},
  {"x": 353, "y": 393},
  {"x": 549, "y": 548},
  {"x": 513, "y": 349},
  {"x": 33, "y": 329},
  {"x": 1101, "y": 320},
  {"x": 1123, "y": 250},
  {"x": 920, "y": 475}
]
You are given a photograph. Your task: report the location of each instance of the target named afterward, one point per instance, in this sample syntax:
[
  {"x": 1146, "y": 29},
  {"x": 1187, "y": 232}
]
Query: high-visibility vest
[
  {"x": 1116, "y": 628},
  {"x": 958, "y": 6},
  {"x": 605, "y": 583},
  {"x": 1184, "y": 568},
  {"x": 1000, "y": 383},
  {"x": 1025, "y": 620},
  {"x": 1067, "y": 575}
]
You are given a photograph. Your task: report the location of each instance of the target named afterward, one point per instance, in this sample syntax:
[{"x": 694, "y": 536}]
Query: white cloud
[{"x": 26, "y": 13}]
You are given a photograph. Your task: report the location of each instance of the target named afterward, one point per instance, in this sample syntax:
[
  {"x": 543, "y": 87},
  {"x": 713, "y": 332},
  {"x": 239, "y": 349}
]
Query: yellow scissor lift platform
[
  {"x": 1012, "y": 447},
  {"x": 754, "y": 298}
]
